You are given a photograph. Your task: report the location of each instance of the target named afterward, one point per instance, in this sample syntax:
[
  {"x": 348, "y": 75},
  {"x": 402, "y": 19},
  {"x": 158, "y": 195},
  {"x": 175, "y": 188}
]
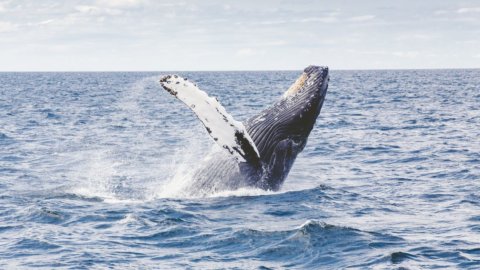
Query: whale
[{"x": 260, "y": 152}]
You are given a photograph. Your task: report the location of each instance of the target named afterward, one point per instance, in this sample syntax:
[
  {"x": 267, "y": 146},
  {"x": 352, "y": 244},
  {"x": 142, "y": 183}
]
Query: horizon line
[{"x": 235, "y": 70}]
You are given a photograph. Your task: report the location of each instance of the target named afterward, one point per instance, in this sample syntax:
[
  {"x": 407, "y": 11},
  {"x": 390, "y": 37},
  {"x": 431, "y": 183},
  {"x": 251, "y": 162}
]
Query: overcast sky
[{"x": 75, "y": 35}]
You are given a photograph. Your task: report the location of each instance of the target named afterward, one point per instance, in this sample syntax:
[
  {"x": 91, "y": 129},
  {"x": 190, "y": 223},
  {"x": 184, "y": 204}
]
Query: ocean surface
[{"x": 91, "y": 165}]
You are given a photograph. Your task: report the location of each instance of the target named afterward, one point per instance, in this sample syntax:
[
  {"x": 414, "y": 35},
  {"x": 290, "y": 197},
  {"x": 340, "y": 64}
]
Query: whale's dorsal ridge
[{"x": 228, "y": 133}]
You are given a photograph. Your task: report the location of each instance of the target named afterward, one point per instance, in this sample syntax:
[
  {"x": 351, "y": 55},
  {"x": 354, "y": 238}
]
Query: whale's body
[{"x": 261, "y": 152}]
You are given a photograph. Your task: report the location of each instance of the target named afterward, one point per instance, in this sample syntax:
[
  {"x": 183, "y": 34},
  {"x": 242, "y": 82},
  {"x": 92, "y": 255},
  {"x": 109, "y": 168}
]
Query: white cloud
[
  {"x": 477, "y": 56},
  {"x": 98, "y": 10},
  {"x": 416, "y": 36},
  {"x": 406, "y": 54},
  {"x": 249, "y": 52},
  {"x": 272, "y": 22},
  {"x": 87, "y": 9},
  {"x": 46, "y": 22},
  {"x": 383, "y": 53},
  {"x": 7, "y": 27},
  {"x": 371, "y": 52},
  {"x": 329, "y": 41},
  {"x": 327, "y": 19},
  {"x": 274, "y": 43},
  {"x": 119, "y": 3},
  {"x": 362, "y": 18},
  {"x": 41, "y": 23},
  {"x": 469, "y": 10},
  {"x": 472, "y": 19},
  {"x": 245, "y": 51},
  {"x": 468, "y": 42},
  {"x": 440, "y": 12}
]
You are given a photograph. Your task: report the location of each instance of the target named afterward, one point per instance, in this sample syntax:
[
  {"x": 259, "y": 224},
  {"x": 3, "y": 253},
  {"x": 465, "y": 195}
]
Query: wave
[{"x": 309, "y": 245}]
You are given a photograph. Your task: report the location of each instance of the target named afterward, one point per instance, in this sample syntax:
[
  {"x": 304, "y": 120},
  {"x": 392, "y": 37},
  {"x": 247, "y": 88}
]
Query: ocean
[{"x": 91, "y": 164}]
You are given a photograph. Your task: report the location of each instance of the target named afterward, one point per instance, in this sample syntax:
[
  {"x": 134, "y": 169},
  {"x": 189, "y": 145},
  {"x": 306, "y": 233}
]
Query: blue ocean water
[{"x": 91, "y": 164}]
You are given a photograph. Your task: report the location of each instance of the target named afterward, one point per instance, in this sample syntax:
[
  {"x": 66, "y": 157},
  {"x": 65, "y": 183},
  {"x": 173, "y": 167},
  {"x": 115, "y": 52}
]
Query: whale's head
[
  {"x": 281, "y": 131},
  {"x": 300, "y": 105}
]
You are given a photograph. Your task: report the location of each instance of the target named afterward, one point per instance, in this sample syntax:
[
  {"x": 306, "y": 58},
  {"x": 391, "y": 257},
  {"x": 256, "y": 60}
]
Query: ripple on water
[
  {"x": 29, "y": 244},
  {"x": 5, "y": 140}
]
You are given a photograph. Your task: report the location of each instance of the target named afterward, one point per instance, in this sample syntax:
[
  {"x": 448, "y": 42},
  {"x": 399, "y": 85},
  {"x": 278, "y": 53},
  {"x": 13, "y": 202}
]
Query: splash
[
  {"x": 113, "y": 166},
  {"x": 128, "y": 161},
  {"x": 135, "y": 159},
  {"x": 183, "y": 164}
]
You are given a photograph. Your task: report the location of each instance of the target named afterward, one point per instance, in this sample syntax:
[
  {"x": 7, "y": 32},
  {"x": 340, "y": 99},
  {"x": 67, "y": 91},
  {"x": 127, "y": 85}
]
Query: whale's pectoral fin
[{"x": 220, "y": 125}]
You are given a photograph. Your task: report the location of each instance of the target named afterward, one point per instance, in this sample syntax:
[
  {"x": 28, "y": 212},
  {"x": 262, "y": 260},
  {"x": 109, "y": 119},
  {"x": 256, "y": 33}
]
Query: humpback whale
[{"x": 260, "y": 152}]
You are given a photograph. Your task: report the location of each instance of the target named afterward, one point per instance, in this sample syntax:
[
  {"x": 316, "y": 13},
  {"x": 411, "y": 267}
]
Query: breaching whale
[{"x": 261, "y": 152}]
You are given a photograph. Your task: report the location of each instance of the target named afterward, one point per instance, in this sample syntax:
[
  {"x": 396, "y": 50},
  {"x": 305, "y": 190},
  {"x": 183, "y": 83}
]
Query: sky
[{"x": 181, "y": 35}]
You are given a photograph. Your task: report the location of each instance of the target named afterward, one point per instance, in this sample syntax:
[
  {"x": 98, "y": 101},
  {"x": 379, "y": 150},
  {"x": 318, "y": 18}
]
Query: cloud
[
  {"x": 331, "y": 18},
  {"x": 94, "y": 10},
  {"x": 41, "y": 23},
  {"x": 274, "y": 43},
  {"x": 406, "y": 54},
  {"x": 120, "y": 3},
  {"x": 416, "y": 36},
  {"x": 383, "y": 53},
  {"x": 87, "y": 9},
  {"x": 469, "y": 41},
  {"x": 245, "y": 51},
  {"x": 273, "y": 22},
  {"x": 249, "y": 52},
  {"x": 469, "y": 10},
  {"x": 327, "y": 19},
  {"x": 370, "y": 52},
  {"x": 46, "y": 22},
  {"x": 362, "y": 18},
  {"x": 440, "y": 12},
  {"x": 7, "y": 27}
]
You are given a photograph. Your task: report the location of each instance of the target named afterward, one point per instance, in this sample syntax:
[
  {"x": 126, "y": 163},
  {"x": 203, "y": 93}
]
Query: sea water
[{"x": 92, "y": 167}]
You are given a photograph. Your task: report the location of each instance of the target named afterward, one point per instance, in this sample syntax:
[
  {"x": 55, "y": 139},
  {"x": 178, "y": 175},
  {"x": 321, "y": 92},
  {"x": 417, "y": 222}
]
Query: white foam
[
  {"x": 92, "y": 174},
  {"x": 242, "y": 192},
  {"x": 129, "y": 218}
]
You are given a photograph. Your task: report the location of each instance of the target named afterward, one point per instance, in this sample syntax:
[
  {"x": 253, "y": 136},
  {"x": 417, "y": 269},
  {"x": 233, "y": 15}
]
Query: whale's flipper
[{"x": 226, "y": 131}]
